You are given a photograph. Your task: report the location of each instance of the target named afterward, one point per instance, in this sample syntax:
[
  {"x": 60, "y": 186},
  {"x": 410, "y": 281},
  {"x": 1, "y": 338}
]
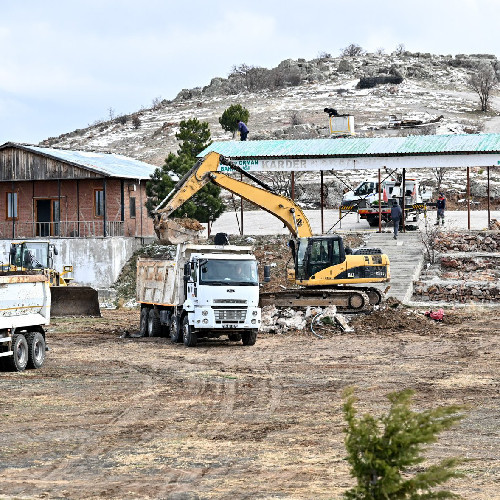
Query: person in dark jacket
[
  {"x": 441, "y": 207},
  {"x": 243, "y": 129},
  {"x": 396, "y": 214}
]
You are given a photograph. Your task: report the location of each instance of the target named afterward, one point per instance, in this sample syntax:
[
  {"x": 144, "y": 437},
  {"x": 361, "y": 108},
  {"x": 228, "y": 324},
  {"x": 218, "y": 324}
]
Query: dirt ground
[{"x": 113, "y": 417}]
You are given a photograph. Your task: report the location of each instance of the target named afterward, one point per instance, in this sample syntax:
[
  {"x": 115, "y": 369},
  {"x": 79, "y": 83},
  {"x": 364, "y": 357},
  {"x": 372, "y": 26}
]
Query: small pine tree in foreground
[{"x": 384, "y": 451}]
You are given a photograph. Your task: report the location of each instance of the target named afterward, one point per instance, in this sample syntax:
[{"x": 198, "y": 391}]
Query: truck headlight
[
  {"x": 205, "y": 321},
  {"x": 254, "y": 313},
  {"x": 254, "y": 321},
  {"x": 204, "y": 312}
]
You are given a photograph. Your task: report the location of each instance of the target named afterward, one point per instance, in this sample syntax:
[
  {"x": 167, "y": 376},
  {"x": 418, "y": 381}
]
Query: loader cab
[
  {"x": 30, "y": 255},
  {"x": 314, "y": 254}
]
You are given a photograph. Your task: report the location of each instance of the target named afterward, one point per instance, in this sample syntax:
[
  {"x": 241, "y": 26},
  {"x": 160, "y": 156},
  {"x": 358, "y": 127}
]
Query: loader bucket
[
  {"x": 175, "y": 231},
  {"x": 74, "y": 301}
]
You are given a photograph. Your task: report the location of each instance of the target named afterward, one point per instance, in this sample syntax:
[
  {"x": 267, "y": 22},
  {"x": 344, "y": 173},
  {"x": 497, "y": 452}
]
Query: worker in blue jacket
[
  {"x": 243, "y": 129},
  {"x": 396, "y": 214},
  {"x": 441, "y": 207}
]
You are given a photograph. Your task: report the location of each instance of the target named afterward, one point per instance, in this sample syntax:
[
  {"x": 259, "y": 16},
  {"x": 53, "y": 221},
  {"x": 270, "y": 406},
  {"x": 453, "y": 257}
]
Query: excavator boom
[{"x": 205, "y": 171}]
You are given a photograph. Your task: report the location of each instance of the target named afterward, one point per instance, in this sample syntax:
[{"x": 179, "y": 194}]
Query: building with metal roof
[{"x": 48, "y": 192}]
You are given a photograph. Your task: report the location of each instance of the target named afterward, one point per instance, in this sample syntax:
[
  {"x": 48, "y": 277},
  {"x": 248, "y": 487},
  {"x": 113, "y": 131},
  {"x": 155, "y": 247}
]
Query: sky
[{"x": 67, "y": 64}]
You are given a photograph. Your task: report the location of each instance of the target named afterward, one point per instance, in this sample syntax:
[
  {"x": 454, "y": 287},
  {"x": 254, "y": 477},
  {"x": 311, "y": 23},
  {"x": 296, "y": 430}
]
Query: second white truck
[
  {"x": 24, "y": 311},
  {"x": 206, "y": 291}
]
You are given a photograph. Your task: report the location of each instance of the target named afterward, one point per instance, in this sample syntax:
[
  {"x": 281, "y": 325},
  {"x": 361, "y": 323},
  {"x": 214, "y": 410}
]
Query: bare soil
[{"x": 113, "y": 417}]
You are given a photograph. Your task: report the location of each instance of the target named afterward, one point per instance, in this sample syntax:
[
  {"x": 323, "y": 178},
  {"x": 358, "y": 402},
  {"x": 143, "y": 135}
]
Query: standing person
[
  {"x": 441, "y": 207},
  {"x": 243, "y": 129},
  {"x": 396, "y": 214}
]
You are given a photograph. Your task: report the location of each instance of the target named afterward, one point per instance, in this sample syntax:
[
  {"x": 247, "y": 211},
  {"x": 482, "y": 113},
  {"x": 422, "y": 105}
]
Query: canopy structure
[{"x": 410, "y": 152}]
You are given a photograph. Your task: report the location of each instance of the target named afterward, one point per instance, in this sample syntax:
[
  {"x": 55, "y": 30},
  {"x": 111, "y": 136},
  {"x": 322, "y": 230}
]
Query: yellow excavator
[
  {"x": 324, "y": 269},
  {"x": 36, "y": 256}
]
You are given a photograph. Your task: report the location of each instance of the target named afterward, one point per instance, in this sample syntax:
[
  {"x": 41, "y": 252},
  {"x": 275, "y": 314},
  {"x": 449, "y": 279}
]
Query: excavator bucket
[
  {"x": 175, "y": 231},
  {"x": 74, "y": 301}
]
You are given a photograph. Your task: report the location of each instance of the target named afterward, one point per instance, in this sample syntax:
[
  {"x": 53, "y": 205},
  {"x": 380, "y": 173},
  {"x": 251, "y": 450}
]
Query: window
[
  {"x": 132, "y": 208},
  {"x": 11, "y": 205},
  {"x": 99, "y": 203}
]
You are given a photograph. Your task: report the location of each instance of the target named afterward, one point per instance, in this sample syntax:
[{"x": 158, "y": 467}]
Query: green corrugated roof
[{"x": 352, "y": 147}]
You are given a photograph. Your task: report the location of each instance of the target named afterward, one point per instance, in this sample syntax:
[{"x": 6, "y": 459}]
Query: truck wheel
[
  {"x": 372, "y": 221},
  {"x": 143, "y": 328},
  {"x": 154, "y": 325},
  {"x": 175, "y": 333},
  {"x": 188, "y": 336},
  {"x": 249, "y": 338},
  {"x": 36, "y": 349},
  {"x": 20, "y": 358}
]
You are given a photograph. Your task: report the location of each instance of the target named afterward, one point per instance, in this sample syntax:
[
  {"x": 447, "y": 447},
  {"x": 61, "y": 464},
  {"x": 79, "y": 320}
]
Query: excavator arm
[{"x": 205, "y": 171}]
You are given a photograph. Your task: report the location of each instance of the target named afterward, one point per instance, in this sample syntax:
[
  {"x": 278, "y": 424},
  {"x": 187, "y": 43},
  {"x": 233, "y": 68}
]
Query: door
[{"x": 47, "y": 217}]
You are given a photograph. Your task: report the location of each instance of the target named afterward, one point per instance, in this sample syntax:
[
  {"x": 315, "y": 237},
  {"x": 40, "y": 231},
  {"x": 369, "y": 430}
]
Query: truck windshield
[
  {"x": 229, "y": 272},
  {"x": 366, "y": 188}
]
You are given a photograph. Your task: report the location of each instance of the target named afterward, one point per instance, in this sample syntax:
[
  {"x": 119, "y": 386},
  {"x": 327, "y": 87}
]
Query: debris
[
  {"x": 436, "y": 315},
  {"x": 181, "y": 230}
]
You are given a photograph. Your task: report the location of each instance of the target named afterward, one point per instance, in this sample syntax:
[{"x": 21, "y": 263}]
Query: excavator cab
[{"x": 314, "y": 254}]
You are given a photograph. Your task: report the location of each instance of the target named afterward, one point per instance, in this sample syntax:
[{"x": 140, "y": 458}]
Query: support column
[
  {"x": 488, "y": 195},
  {"x": 293, "y": 186},
  {"x": 322, "y": 205},
  {"x": 468, "y": 198},
  {"x": 379, "y": 203},
  {"x": 104, "y": 231},
  {"x": 241, "y": 208},
  {"x": 404, "y": 200}
]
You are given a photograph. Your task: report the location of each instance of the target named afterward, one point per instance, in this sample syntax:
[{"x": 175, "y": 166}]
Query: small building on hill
[{"x": 47, "y": 193}]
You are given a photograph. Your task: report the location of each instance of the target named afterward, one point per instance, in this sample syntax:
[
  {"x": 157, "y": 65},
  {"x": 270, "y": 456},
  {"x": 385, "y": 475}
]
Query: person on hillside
[
  {"x": 396, "y": 214},
  {"x": 243, "y": 130},
  {"x": 441, "y": 207}
]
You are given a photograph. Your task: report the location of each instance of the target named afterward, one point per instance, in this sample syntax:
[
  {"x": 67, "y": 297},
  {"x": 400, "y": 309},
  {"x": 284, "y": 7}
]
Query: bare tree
[
  {"x": 483, "y": 81},
  {"x": 380, "y": 51},
  {"x": 352, "y": 50},
  {"x": 295, "y": 117},
  {"x": 400, "y": 49},
  {"x": 439, "y": 174},
  {"x": 156, "y": 103}
]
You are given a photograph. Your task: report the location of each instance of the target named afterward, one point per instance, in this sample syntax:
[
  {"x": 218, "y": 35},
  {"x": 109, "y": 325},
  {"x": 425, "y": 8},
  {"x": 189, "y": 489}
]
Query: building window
[
  {"x": 11, "y": 205},
  {"x": 132, "y": 208},
  {"x": 98, "y": 202}
]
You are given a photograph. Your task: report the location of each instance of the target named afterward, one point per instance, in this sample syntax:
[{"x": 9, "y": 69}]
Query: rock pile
[
  {"x": 458, "y": 291},
  {"x": 482, "y": 241}
]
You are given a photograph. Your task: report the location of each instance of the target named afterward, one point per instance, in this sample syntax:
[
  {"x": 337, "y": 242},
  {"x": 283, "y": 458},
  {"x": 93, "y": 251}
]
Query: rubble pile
[
  {"x": 281, "y": 321},
  {"x": 482, "y": 241}
]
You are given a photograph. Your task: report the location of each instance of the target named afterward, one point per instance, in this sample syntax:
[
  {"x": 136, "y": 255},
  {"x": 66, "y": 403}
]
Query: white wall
[{"x": 96, "y": 262}]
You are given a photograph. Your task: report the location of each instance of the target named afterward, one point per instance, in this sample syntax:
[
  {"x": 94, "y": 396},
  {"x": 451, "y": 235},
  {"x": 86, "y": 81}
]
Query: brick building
[{"x": 49, "y": 193}]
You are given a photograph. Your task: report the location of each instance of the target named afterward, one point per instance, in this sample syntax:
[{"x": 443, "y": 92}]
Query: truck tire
[
  {"x": 36, "y": 350},
  {"x": 372, "y": 221},
  {"x": 249, "y": 338},
  {"x": 188, "y": 336},
  {"x": 154, "y": 325},
  {"x": 143, "y": 327},
  {"x": 175, "y": 331},
  {"x": 19, "y": 360}
]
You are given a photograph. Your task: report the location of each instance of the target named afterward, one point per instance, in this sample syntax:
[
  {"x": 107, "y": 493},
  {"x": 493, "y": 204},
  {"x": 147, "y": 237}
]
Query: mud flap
[{"x": 74, "y": 301}]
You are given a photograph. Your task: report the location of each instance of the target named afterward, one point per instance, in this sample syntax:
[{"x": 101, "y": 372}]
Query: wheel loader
[
  {"x": 325, "y": 271},
  {"x": 36, "y": 257}
]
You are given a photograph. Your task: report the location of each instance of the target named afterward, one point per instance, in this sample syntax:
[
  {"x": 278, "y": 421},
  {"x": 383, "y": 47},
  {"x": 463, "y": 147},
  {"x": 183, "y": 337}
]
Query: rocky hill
[{"x": 287, "y": 102}]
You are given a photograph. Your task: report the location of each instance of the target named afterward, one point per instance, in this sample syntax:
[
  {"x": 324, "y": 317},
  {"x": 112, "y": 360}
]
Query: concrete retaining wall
[{"x": 96, "y": 262}]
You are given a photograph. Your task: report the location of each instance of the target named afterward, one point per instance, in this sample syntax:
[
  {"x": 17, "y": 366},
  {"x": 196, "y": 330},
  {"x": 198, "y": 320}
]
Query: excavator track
[{"x": 347, "y": 300}]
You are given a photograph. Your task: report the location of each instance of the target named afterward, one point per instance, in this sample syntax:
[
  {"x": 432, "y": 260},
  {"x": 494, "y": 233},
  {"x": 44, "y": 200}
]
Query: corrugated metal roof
[
  {"x": 109, "y": 165},
  {"x": 352, "y": 147}
]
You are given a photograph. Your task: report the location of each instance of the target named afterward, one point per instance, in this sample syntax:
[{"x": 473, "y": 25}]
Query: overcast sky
[{"x": 65, "y": 64}]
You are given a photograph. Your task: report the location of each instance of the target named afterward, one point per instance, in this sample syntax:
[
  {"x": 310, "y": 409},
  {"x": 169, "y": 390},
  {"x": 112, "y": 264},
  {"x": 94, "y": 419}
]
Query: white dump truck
[
  {"x": 24, "y": 311},
  {"x": 206, "y": 291}
]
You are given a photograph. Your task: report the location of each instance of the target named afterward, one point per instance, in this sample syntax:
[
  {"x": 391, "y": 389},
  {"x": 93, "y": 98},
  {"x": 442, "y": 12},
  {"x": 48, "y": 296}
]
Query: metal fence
[{"x": 62, "y": 229}]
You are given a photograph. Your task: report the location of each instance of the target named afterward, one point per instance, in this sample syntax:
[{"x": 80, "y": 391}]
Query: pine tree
[
  {"x": 232, "y": 115},
  {"x": 206, "y": 204},
  {"x": 383, "y": 452}
]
